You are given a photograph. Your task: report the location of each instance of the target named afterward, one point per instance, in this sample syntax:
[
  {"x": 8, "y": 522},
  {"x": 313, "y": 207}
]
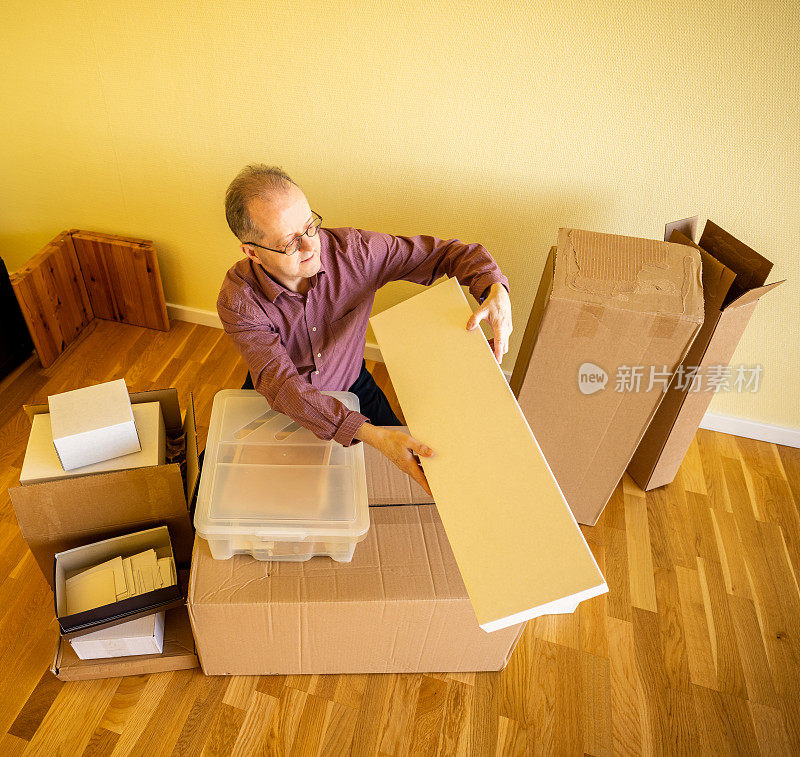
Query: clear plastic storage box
[{"x": 271, "y": 489}]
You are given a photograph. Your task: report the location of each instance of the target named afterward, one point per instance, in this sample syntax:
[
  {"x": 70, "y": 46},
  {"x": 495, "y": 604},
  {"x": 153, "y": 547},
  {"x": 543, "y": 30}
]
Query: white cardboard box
[
  {"x": 140, "y": 636},
  {"x": 42, "y": 464},
  {"x": 93, "y": 424}
]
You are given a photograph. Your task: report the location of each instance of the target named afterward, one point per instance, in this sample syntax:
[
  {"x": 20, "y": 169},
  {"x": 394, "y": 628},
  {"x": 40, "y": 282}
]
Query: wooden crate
[{"x": 82, "y": 275}]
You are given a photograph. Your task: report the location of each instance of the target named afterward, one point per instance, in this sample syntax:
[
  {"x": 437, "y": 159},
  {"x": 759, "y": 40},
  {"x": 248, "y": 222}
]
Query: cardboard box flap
[
  {"x": 751, "y": 269},
  {"x": 57, "y": 515},
  {"x": 628, "y": 273},
  {"x": 170, "y": 407},
  {"x": 406, "y": 555},
  {"x": 178, "y": 654},
  {"x": 516, "y": 541},
  {"x": 686, "y": 226},
  {"x": 717, "y": 279},
  {"x": 753, "y": 294},
  {"x": 192, "y": 455}
]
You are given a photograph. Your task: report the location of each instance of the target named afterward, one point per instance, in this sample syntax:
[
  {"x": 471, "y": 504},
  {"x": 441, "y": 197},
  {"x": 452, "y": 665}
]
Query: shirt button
[
  {"x": 313, "y": 328},
  {"x": 319, "y": 354},
  {"x": 316, "y": 372}
]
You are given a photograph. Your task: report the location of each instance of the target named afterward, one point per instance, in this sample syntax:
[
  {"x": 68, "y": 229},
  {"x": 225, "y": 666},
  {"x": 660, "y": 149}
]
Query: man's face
[{"x": 285, "y": 215}]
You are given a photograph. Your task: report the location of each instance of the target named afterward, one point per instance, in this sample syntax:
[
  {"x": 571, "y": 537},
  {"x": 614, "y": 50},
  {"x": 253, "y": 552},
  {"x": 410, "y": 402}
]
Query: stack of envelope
[{"x": 117, "y": 579}]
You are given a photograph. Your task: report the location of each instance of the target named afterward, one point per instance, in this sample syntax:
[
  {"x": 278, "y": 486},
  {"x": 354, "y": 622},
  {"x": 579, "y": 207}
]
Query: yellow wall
[{"x": 493, "y": 122}]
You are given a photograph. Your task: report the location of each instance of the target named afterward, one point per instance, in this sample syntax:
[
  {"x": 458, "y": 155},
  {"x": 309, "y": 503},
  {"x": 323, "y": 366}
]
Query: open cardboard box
[
  {"x": 55, "y": 516},
  {"x": 179, "y": 654},
  {"x": 734, "y": 277},
  {"x": 105, "y": 616}
]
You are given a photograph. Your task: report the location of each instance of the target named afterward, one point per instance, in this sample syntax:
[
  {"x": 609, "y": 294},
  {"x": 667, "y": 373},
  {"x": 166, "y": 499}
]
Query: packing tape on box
[
  {"x": 663, "y": 327},
  {"x": 588, "y": 321}
]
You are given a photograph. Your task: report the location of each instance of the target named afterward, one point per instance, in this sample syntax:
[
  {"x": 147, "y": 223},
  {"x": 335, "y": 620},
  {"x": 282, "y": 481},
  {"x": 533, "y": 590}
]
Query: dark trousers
[{"x": 371, "y": 398}]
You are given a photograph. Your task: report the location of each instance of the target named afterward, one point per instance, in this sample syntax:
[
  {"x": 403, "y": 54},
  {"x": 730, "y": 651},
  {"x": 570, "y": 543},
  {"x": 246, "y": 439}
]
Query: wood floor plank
[
  {"x": 224, "y": 731},
  {"x": 36, "y": 707}
]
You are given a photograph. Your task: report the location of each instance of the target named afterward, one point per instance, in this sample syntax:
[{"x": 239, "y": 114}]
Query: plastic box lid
[{"x": 266, "y": 476}]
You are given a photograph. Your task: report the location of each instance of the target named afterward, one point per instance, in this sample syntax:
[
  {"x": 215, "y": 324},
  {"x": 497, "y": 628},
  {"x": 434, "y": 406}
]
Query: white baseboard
[
  {"x": 194, "y": 315},
  {"x": 764, "y": 432}
]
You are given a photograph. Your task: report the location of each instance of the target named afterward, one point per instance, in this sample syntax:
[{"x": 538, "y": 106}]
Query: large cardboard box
[
  {"x": 733, "y": 281},
  {"x": 400, "y": 606},
  {"x": 611, "y": 312},
  {"x": 55, "y": 516},
  {"x": 178, "y": 654}
]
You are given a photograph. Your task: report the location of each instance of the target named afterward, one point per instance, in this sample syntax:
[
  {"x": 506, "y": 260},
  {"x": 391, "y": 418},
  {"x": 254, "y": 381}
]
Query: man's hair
[{"x": 254, "y": 180}]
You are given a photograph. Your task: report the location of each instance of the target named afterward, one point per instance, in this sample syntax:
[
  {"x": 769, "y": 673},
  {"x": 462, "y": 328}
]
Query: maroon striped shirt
[{"x": 296, "y": 345}]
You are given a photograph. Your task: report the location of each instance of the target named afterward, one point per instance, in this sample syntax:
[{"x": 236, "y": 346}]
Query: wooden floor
[{"x": 694, "y": 650}]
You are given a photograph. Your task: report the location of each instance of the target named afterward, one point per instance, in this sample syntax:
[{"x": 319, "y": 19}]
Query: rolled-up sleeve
[
  {"x": 276, "y": 377},
  {"x": 424, "y": 259}
]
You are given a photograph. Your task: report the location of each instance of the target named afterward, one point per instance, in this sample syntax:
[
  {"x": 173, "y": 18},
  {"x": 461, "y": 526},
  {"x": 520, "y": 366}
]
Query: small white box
[
  {"x": 41, "y": 462},
  {"x": 93, "y": 424},
  {"x": 140, "y": 636}
]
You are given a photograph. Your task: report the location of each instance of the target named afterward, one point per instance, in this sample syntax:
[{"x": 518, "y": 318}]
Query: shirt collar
[{"x": 272, "y": 288}]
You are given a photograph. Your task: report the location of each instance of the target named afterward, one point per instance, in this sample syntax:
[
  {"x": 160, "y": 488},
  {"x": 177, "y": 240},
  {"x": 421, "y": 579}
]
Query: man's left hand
[{"x": 497, "y": 308}]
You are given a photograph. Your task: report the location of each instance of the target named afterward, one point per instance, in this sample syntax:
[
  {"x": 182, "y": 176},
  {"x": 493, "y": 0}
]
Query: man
[{"x": 297, "y": 308}]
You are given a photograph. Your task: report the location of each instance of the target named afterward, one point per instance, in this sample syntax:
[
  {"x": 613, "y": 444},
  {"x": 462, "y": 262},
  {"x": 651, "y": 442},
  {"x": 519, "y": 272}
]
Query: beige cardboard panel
[
  {"x": 178, "y": 654},
  {"x": 517, "y": 545},
  {"x": 753, "y": 295},
  {"x": 686, "y": 227},
  {"x": 402, "y": 598},
  {"x": 59, "y": 515},
  {"x": 387, "y": 484}
]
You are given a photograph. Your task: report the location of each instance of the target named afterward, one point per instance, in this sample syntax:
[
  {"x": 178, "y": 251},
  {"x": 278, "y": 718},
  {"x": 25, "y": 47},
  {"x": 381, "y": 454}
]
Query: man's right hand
[{"x": 399, "y": 447}]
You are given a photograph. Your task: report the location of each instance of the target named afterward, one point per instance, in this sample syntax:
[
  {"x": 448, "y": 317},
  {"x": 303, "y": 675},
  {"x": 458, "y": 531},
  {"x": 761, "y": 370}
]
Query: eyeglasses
[{"x": 294, "y": 245}]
